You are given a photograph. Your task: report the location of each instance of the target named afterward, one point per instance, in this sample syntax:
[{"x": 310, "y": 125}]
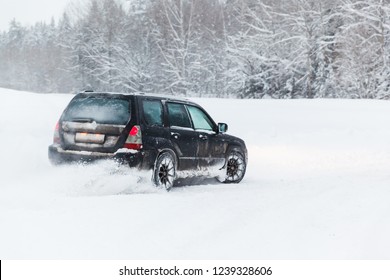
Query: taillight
[
  {"x": 56, "y": 135},
  {"x": 134, "y": 140},
  {"x": 134, "y": 130}
]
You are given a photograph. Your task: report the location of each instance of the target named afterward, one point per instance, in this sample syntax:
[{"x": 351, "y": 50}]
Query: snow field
[{"x": 317, "y": 187}]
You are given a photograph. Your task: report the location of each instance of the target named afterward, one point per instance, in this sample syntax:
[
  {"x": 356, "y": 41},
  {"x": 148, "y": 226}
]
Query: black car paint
[{"x": 193, "y": 149}]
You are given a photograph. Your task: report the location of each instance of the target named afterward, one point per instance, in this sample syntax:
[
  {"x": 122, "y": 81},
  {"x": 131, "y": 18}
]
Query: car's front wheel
[
  {"x": 164, "y": 173},
  {"x": 235, "y": 167}
]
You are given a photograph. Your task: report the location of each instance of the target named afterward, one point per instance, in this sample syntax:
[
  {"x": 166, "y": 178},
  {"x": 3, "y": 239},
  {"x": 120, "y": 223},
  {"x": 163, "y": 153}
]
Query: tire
[
  {"x": 235, "y": 167},
  {"x": 164, "y": 173}
]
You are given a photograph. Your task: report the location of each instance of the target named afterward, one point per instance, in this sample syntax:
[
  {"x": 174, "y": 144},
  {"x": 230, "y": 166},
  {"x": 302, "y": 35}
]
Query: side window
[
  {"x": 200, "y": 119},
  {"x": 178, "y": 115},
  {"x": 153, "y": 112}
]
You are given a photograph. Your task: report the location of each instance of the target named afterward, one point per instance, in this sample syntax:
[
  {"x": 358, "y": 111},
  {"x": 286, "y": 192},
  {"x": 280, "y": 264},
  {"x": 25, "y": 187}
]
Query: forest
[{"x": 205, "y": 48}]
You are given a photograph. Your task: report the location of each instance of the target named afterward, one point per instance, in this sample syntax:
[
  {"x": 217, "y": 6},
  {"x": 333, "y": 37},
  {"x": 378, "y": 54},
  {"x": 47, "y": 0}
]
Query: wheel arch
[
  {"x": 238, "y": 148},
  {"x": 166, "y": 150}
]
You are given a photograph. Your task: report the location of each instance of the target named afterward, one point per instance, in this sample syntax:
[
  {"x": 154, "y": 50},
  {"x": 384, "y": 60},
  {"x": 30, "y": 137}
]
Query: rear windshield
[{"x": 99, "y": 109}]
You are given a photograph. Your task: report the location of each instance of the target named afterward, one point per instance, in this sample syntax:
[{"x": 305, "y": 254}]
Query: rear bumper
[{"x": 138, "y": 159}]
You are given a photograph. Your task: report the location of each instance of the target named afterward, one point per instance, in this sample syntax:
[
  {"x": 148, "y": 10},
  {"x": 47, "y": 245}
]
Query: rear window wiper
[{"x": 84, "y": 120}]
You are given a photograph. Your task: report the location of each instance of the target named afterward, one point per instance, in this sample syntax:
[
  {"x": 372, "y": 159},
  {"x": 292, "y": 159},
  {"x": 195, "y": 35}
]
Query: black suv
[{"x": 162, "y": 134}]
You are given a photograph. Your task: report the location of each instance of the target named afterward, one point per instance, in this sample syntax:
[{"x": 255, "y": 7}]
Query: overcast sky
[{"x": 29, "y": 12}]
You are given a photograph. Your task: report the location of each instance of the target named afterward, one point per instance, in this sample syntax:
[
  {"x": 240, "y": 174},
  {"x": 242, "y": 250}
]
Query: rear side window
[
  {"x": 178, "y": 115},
  {"x": 99, "y": 109},
  {"x": 200, "y": 119},
  {"x": 153, "y": 112}
]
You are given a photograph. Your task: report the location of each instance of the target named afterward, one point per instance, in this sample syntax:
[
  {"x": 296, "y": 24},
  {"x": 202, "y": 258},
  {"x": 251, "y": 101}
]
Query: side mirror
[{"x": 222, "y": 127}]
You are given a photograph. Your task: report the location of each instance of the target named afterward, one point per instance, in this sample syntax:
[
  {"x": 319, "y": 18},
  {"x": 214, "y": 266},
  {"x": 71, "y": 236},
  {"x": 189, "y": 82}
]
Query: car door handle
[
  {"x": 175, "y": 135},
  {"x": 203, "y": 137}
]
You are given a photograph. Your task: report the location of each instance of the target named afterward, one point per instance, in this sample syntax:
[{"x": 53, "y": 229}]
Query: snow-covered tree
[
  {"x": 246, "y": 49},
  {"x": 178, "y": 37},
  {"x": 365, "y": 49}
]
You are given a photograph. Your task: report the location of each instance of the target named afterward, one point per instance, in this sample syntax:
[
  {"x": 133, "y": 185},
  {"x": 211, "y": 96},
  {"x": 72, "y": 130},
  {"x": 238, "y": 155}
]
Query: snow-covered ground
[{"x": 317, "y": 187}]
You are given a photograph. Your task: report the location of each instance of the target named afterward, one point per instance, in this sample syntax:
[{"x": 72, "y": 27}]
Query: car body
[{"x": 163, "y": 134}]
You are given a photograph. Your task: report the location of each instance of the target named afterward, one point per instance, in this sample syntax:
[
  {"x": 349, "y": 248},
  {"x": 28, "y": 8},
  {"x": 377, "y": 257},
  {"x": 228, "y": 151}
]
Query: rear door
[
  {"x": 153, "y": 131},
  {"x": 182, "y": 135}
]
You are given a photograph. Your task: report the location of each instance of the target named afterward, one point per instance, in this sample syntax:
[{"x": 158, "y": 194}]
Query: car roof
[{"x": 138, "y": 94}]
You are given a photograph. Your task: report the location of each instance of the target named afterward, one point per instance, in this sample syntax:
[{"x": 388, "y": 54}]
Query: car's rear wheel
[
  {"x": 164, "y": 173},
  {"x": 235, "y": 167}
]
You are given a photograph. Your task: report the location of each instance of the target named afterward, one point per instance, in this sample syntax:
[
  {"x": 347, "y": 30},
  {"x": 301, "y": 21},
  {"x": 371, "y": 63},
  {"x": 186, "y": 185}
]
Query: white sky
[{"x": 29, "y": 12}]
